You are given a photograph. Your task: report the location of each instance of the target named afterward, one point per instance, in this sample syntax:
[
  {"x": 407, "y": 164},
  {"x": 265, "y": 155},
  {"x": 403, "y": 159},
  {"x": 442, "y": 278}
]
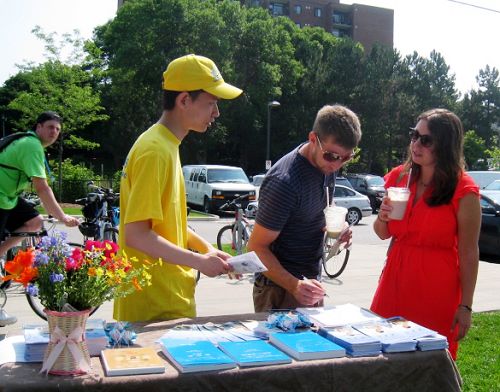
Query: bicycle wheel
[
  {"x": 35, "y": 303},
  {"x": 225, "y": 239},
  {"x": 111, "y": 234},
  {"x": 336, "y": 264}
]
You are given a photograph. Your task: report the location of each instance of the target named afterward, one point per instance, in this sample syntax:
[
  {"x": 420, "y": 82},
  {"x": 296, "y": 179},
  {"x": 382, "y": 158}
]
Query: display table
[{"x": 414, "y": 371}]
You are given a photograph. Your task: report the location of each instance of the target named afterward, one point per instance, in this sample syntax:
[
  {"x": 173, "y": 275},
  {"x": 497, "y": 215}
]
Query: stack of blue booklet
[
  {"x": 306, "y": 345},
  {"x": 357, "y": 344},
  {"x": 254, "y": 353},
  {"x": 195, "y": 356}
]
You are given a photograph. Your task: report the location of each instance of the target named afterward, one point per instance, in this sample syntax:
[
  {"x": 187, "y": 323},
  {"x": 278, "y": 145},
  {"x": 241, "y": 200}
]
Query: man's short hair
[
  {"x": 47, "y": 116},
  {"x": 340, "y": 123},
  {"x": 169, "y": 97}
]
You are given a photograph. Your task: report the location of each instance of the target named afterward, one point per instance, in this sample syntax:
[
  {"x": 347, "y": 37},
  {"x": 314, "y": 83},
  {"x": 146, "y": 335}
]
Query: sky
[{"x": 467, "y": 37}]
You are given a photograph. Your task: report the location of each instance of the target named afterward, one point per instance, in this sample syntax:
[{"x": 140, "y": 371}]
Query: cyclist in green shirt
[{"x": 22, "y": 162}]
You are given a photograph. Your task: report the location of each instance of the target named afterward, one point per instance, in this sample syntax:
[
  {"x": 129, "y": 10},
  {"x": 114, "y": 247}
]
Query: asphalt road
[{"x": 218, "y": 296}]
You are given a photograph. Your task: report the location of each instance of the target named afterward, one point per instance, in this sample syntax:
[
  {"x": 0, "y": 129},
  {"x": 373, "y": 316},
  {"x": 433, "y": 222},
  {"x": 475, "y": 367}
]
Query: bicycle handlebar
[{"x": 233, "y": 202}]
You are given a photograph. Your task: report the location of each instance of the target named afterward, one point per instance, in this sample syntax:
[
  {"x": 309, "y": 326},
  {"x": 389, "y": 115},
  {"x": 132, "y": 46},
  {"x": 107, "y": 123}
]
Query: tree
[{"x": 474, "y": 151}]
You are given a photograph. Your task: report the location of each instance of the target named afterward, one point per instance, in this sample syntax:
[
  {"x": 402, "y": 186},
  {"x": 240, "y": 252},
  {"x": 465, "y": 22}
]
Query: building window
[
  {"x": 298, "y": 9},
  {"x": 298, "y": 25},
  {"x": 340, "y": 18},
  {"x": 317, "y": 12},
  {"x": 277, "y": 9},
  {"x": 336, "y": 32},
  {"x": 255, "y": 3}
]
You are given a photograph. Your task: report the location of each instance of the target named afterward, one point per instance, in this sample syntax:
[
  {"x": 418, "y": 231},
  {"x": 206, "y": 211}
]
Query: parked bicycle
[
  {"x": 233, "y": 238},
  {"x": 101, "y": 217},
  {"x": 30, "y": 240},
  {"x": 334, "y": 259}
]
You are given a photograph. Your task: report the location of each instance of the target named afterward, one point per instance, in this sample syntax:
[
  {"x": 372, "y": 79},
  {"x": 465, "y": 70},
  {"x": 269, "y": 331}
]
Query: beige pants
[{"x": 267, "y": 296}]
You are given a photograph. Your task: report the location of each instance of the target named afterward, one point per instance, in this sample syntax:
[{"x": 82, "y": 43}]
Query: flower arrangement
[{"x": 62, "y": 275}]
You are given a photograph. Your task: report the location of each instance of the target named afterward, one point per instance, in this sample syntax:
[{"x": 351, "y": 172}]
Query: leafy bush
[{"x": 74, "y": 180}]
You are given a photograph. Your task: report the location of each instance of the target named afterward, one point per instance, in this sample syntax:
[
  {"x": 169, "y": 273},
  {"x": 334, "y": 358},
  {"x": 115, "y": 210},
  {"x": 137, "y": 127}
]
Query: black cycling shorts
[{"x": 17, "y": 216}]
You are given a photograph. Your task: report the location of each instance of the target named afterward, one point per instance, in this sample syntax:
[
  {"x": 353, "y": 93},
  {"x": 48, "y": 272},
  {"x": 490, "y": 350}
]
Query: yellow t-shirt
[{"x": 152, "y": 188}]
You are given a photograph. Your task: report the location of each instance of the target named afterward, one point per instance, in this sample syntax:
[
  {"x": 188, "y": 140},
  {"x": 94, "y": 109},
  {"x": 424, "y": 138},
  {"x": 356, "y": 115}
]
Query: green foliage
[
  {"x": 474, "y": 151},
  {"x": 74, "y": 180},
  {"x": 119, "y": 73},
  {"x": 479, "y": 354}
]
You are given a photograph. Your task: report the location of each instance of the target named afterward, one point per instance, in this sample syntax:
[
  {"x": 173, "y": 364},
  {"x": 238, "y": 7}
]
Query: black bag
[{"x": 7, "y": 140}]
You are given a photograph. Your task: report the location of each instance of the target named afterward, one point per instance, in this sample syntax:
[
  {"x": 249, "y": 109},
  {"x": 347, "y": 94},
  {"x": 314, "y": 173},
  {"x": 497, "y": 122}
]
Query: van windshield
[{"x": 227, "y": 175}]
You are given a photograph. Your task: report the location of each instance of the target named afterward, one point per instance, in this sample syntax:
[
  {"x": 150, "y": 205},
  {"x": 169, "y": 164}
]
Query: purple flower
[
  {"x": 41, "y": 259},
  {"x": 56, "y": 277},
  {"x": 32, "y": 290}
]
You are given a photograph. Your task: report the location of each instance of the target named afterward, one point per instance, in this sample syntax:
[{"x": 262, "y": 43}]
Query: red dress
[{"x": 420, "y": 280}]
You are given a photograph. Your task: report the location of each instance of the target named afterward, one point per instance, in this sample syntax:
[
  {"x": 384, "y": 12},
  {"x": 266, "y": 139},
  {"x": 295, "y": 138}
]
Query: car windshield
[
  {"x": 494, "y": 186},
  {"x": 227, "y": 175},
  {"x": 375, "y": 181}
]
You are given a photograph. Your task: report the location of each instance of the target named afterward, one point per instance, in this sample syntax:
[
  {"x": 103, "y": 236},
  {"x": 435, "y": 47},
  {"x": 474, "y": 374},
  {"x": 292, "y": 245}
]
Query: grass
[{"x": 479, "y": 354}]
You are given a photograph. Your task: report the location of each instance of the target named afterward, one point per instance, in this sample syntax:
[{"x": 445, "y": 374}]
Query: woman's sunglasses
[
  {"x": 425, "y": 140},
  {"x": 331, "y": 156}
]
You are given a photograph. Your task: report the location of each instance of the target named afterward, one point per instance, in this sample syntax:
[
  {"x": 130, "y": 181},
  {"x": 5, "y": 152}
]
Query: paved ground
[{"x": 217, "y": 296}]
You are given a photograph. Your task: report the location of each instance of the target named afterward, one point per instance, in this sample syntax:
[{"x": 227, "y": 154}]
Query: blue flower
[
  {"x": 32, "y": 290},
  {"x": 41, "y": 259},
  {"x": 56, "y": 277}
]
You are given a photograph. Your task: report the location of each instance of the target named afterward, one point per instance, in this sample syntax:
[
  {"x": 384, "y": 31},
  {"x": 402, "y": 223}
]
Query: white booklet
[{"x": 246, "y": 263}]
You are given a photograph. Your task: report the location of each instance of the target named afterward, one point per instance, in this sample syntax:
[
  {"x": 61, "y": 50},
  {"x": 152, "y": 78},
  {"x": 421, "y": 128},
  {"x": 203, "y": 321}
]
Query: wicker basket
[{"x": 62, "y": 329}]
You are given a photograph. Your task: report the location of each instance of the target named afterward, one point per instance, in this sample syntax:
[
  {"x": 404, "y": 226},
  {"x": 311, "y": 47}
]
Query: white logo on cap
[{"x": 216, "y": 74}]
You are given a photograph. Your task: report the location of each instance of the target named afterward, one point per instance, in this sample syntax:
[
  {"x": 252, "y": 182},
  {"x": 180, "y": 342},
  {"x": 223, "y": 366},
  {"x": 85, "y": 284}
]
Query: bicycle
[
  {"x": 334, "y": 264},
  {"x": 233, "y": 238},
  {"x": 101, "y": 218},
  {"x": 30, "y": 240}
]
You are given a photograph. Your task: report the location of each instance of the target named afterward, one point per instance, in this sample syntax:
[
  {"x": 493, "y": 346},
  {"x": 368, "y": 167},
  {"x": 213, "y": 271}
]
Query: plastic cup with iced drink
[
  {"x": 399, "y": 199},
  {"x": 335, "y": 220}
]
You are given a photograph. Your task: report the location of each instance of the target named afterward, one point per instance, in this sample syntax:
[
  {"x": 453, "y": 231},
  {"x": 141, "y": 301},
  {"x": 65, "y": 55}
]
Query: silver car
[{"x": 358, "y": 205}]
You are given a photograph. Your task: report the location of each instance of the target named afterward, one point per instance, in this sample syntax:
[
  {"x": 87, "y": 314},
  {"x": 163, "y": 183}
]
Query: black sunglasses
[
  {"x": 333, "y": 157},
  {"x": 425, "y": 140}
]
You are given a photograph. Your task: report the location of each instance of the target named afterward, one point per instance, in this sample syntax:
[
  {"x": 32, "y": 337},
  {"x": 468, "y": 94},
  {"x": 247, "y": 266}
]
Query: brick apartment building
[{"x": 365, "y": 24}]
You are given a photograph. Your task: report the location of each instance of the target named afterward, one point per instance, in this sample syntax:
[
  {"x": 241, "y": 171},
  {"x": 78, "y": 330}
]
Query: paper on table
[
  {"x": 246, "y": 263},
  {"x": 339, "y": 315}
]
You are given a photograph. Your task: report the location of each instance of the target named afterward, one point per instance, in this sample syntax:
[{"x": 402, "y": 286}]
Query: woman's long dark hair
[{"x": 448, "y": 135}]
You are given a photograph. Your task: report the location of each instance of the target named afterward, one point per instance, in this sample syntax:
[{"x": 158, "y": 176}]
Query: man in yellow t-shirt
[{"x": 153, "y": 219}]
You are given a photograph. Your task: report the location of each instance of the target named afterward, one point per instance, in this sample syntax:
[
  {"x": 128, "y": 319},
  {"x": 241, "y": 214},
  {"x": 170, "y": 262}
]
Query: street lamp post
[{"x": 272, "y": 104}]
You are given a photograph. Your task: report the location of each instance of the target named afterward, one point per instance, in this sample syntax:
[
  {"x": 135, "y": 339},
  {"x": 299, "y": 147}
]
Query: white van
[
  {"x": 210, "y": 186},
  {"x": 484, "y": 178}
]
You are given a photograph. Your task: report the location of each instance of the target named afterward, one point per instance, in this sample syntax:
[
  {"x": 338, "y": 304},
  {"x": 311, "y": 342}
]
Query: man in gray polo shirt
[{"x": 289, "y": 226}]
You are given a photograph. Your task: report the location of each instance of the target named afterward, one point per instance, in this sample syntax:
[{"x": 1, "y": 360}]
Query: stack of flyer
[
  {"x": 356, "y": 344},
  {"x": 339, "y": 315},
  {"x": 36, "y": 337},
  {"x": 398, "y": 334}
]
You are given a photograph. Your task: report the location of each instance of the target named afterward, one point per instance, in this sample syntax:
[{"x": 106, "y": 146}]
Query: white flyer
[{"x": 246, "y": 263}]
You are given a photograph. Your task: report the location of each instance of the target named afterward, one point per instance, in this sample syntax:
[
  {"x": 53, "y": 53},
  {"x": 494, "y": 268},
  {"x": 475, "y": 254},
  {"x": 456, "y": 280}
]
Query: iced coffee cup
[
  {"x": 335, "y": 220},
  {"x": 399, "y": 199}
]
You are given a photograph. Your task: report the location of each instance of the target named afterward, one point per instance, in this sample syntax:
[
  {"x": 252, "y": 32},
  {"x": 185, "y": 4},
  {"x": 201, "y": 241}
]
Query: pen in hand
[{"x": 306, "y": 279}]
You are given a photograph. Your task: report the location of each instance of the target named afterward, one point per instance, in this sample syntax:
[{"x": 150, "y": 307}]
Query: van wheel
[{"x": 206, "y": 205}]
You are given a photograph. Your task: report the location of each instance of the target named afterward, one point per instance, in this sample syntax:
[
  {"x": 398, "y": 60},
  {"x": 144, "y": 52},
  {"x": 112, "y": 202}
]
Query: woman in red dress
[{"x": 432, "y": 262}]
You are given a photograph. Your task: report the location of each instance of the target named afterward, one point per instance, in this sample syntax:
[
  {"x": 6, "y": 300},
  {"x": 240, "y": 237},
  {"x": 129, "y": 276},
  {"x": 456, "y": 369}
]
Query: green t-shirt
[{"x": 26, "y": 155}]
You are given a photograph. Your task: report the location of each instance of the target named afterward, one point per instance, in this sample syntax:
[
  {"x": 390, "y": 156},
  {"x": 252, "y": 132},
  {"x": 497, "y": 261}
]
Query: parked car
[
  {"x": 210, "y": 186},
  {"x": 494, "y": 186},
  {"x": 358, "y": 205},
  {"x": 370, "y": 185},
  {"x": 257, "y": 182},
  {"x": 343, "y": 181},
  {"x": 484, "y": 178},
  {"x": 489, "y": 238}
]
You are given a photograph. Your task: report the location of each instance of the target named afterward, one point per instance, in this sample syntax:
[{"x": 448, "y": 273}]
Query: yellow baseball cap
[{"x": 193, "y": 72}]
